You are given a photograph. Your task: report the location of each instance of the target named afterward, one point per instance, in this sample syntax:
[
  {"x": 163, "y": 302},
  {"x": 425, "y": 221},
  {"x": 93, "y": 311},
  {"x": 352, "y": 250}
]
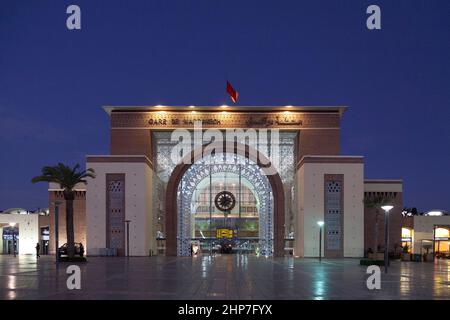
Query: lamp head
[
  {"x": 434, "y": 213},
  {"x": 387, "y": 208},
  {"x": 12, "y": 224},
  {"x": 320, "y": 223}
]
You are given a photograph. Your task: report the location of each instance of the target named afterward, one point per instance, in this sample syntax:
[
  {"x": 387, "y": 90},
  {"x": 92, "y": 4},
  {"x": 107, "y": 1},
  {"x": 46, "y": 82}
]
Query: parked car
[{"x": 62, "y": 251}]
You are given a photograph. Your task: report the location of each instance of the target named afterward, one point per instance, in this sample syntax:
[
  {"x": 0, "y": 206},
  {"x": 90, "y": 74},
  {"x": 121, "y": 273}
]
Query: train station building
[{"x": 259, "y": 178}]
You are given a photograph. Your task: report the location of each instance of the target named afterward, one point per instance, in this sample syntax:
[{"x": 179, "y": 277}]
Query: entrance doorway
[
  {"x": 442, "y": 242},
  {"x": 45, "y": 236},
  {"x": 264, "y": 184},
  {"x": 229, "y": 206},
  {"x": 225, "y": 205},
  {"x": 10, "y": 240}
]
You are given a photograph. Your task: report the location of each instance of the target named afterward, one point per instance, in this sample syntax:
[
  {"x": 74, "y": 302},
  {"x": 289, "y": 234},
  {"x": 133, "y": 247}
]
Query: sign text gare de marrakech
[{"x": 223, "y": 119}]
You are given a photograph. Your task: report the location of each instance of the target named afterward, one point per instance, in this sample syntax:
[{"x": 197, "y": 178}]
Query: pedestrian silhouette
[
  {"x": 38, "y": 248},
  {"x": 81, "y": 250}
]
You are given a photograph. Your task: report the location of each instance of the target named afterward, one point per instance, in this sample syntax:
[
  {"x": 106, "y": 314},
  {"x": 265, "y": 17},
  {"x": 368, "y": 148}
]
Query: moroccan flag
[{"x": 231, "y": 92}]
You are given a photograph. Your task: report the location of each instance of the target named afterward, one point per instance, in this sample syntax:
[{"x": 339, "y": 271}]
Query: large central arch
[{"x": 236, "y": 148}]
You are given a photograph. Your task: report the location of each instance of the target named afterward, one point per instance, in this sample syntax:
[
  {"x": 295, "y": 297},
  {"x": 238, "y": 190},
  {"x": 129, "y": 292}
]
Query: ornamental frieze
[{"x": 168, "y": 120}]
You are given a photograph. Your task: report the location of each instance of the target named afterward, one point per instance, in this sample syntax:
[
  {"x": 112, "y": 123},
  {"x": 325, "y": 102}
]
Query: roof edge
[{"x": 341, "y": 109}]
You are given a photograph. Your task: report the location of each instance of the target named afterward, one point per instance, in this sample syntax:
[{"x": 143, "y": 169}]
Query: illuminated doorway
[
  {"x": 407, "y": 239},
  {"x": 10, "y": 239},
  {"x": 442, "y": 241},
  {"x": 225, "y": 200}
]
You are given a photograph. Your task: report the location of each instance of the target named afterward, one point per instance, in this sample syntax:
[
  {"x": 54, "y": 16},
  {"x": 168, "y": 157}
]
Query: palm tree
[
  {"x": 376, "y": 201},
  {"x": 67, "y": 178}
]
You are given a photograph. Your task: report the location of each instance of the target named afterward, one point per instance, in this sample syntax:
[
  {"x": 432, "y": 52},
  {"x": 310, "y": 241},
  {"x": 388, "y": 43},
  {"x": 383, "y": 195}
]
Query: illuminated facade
[
  {"x": 262, "y": 196},
  {"x": 427, "y": 233},
  {"x": 19, "y": 232}
]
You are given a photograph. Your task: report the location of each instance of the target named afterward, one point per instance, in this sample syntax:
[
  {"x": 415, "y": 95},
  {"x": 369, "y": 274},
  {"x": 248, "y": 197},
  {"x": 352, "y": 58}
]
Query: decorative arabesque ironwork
[
  {"x": 285, "y": 167},
  {"x": 333, "y": 214},
  {"x": 116, "y": 214},
  {"x": 224, "y": 163}
]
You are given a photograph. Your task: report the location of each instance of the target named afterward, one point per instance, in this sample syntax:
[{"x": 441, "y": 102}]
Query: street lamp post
[
  {"x": 128, "y": 237},
  {"x": 320, "y": 223},
  {"x": 57, "y": 203},
  {"x": 434, "y": 243},
  {"x": 386, "y": 209}
]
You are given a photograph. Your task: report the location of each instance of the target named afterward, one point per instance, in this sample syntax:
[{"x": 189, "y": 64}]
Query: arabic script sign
[{"x": 168, "y": 120}]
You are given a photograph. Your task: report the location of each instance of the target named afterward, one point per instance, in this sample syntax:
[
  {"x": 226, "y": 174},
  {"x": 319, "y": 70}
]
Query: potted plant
[
  {"x": 405, "y": 256},
  {"x": 370, "y": 254},
  {"x": 427, "y": 257},
  {"x": 379, "y": 255}
]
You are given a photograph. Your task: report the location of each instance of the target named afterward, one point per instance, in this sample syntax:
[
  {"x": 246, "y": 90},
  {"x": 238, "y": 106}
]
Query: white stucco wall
[
  {"x": 138, "y": 208},
  {"x": 310, "y": 182},
  {"x": 423, "y": 229},
  {"x": 28, "y": 225},
  {"x": 299, "y": 214}
]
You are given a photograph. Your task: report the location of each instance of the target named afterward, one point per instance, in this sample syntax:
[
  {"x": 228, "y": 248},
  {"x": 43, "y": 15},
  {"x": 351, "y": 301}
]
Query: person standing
[
  {"x": 81, "y": 250},
  {"x": 38, "y": 248}
]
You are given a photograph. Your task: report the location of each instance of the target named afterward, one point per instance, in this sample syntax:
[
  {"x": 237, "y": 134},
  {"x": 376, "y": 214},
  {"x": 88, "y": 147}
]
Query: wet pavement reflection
[{"x": 219, "y": 277}]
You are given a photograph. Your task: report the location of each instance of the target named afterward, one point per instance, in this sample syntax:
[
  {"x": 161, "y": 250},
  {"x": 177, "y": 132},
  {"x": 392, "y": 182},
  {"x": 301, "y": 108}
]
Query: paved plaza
[{"x": 219, "y": 277}]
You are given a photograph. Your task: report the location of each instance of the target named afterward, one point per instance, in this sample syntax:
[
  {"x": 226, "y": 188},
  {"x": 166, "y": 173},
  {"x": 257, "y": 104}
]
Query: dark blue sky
[{"x": 396, "y": 81}]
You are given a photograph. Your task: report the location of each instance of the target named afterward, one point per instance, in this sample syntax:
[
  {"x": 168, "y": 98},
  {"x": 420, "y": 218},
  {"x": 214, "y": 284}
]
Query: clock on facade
[{"x": 225, "y": 201}]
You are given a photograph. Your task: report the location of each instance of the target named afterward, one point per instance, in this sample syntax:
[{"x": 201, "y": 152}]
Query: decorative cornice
[
  {"x": 329, "y": 159},
  {"x": 247, "y": 109},
  {"x": 59, "y": 193},
  {"x": 120, "y": 159},
  {"x": 381, "y": 181}
]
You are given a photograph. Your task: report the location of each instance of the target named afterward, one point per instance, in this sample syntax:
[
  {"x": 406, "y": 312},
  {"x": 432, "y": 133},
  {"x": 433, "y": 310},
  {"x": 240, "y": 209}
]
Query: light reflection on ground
[{"x": 220, "y": 277}]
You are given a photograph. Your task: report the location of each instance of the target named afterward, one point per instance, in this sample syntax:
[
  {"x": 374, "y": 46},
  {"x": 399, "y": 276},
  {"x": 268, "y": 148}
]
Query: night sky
[{"x": 396, "y": 81}]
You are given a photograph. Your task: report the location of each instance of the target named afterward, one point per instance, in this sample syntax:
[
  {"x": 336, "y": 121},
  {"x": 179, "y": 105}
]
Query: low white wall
[
  {"x": 383, "y": 186},
  {"x": 310, "y": 183},
  {"x": 28, "y": 225},
  {"x": 138, "y": 209}
]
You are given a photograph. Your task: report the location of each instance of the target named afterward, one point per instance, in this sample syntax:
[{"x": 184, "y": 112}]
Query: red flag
[{"x": 231, "y": 92}]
